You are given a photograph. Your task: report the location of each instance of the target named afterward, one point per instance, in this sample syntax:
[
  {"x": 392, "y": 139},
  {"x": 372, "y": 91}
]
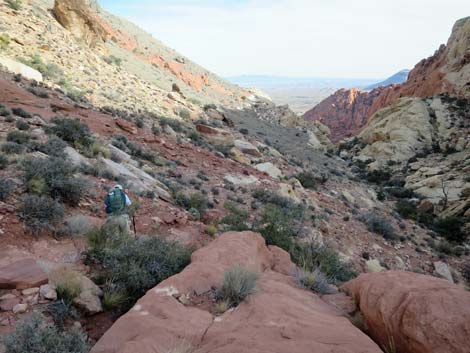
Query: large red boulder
[
  {"x": 22, "y": 274},
  {"x": 280, "y": 317},
  {"x": 412, "y": 312}
]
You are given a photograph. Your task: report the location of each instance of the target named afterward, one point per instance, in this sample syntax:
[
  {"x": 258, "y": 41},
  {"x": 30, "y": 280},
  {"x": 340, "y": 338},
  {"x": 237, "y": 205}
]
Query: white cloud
[{"x": 334, "y": 38}]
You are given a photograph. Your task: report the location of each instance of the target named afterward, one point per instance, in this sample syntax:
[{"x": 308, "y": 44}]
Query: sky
[{"x": 298, "y": 38}]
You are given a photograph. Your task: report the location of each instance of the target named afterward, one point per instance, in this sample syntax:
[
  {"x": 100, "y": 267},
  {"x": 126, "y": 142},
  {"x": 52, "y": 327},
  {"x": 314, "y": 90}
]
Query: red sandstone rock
[
  {"x": 417, "y": 313},
  {"x": 22, "y": 274},
  {"x": 278, "y": 318},
  {"x": 126, "y": 126}
]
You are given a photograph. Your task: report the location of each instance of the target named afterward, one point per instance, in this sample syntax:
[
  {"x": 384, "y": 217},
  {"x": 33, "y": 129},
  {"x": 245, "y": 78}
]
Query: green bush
[
  {"x": 307, "y": 180},
  {"x": 134, "y": 265},
  {"x": 450, "y": 228},
  {"x": 54, "y": 147},
  {"x": 72, "y": 131},
  {"x": 34, "y": 335},
  {"x": 4, "y": 41},
  {"x": 40, "y": 213},
  {"x": 3, "y": 161},
  {"x": 21, "y": 113},
  {"x": 176, "y": 125},
  {"x": 12, "y": 148},
  {"x": 311, "y": 256},
  {"x": 196, "y": 201},
  {"x": 54, "y": 177},
  {"x": 294, "y": 209},
  {"x": 236, "y": 219},
  {"x": 379, "y": 176},
  {"x": 14, "y": 4},
  {"x": 113, "y": 60},
  {"x": 407, "y": 209},
  {"x": 4, "y": 111},
  {"x": 379, "y": 225},
  {"x": 6, "y": 188},
  {"x": 238, "y": 283},
  {"x": 61, "y": 311},
  {"x": 21, "y": 125},
  {"x": 277, "y": 227},
  {"x": 18, "y": 137},
  {"x": 315, "y": 281}
]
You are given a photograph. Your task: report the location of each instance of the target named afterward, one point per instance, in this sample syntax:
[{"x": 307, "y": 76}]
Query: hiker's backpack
[{"x": 115, "y": 201}]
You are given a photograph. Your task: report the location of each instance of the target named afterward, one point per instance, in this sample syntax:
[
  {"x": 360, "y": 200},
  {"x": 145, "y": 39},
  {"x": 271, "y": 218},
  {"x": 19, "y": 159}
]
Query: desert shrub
[
  {"x": 21, "y": 125},
  {"x": 18, "y": 137},
  {"x": 3, "y": 161},
  {"x": 54, "y": 147},
  {"x": 197, "y": 201},
  {"x": 78, "y": 225},
  {"x": 184, "y": 113},
  {"x": 67, "y": 282},
  {"x": 114, "y": 298},
  {"x": 21, "y": 113},
  {"x": 407, "y": 209},
  {"x": 311, "y": 256},
  {"x": 221, "y": 306},
  {"x": 315, "y": 281},
  {"x": 6, "y": 188},
  {"x": 226, "y": 150},
  {"x": 61, "y": 311},
  {"x": 238, "y": 283},
  {"x": 450, "y": 228},
  {"x": 211, "y": 230},
  {"x": 134, "y": 149},
  {"x": 12, "y": 148},
  {"x": 210, "y": 106},
  {"x": 379, "y": 225},
  {"x": 72, "y": 131},
  {"x": 14, "y": 4},
  {"x": 401, "y": 192},
  {"x": 294, "y": 209},
  {"x": 112, "y": 60},
  {"x": 4, "y": 41},
  {"x": 35, "y": 335},
  {"x": 307, "y": 180},
  {"x": 466, "y": 271},
  {"x": 176, "y": 125},
  {"x": 4, "y": 111},
  {"x": 378, "y": 176},
  {"x": 40, "y": 213},
  {"x": 236, "y": 219},
  {"x": 277, "y": 227},
  {"x": 41, "y": 93},
  {"x": 134, "y": 265},
  {"x": 54, "y": 177}
]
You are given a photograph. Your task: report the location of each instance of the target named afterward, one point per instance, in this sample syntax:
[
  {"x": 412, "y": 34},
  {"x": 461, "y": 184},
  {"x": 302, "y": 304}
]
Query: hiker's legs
[{"x": 121, "y": 222}]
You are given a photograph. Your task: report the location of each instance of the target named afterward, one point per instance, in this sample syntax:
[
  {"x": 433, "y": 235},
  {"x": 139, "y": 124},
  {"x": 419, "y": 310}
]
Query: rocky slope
[
  {"x": 447, "y": 71},
  {"x": 108, "y": 61}
]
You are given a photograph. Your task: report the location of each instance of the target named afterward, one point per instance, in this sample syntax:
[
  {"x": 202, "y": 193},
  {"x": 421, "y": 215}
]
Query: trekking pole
[{"x": 133, "y": 223}]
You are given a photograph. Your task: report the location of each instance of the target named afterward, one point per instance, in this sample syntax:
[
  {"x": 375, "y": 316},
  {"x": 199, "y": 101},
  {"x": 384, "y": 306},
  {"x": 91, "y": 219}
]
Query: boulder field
[
  {"x": 413, "y": 313},
  {"x": 279, "y": 317}
]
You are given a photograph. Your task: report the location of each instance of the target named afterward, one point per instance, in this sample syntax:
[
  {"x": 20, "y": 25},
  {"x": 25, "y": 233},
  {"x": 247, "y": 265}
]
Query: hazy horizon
[{"x": 364, "y": 39}]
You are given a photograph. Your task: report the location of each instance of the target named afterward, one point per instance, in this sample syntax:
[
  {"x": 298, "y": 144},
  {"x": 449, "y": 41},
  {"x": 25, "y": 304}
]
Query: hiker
[{"x": 117, "y": 206}]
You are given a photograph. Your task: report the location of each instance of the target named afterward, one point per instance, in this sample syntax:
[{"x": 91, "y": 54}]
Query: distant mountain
[
  {"x": 399, "y": 77},
  {"x": 282, "y": 82}
]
